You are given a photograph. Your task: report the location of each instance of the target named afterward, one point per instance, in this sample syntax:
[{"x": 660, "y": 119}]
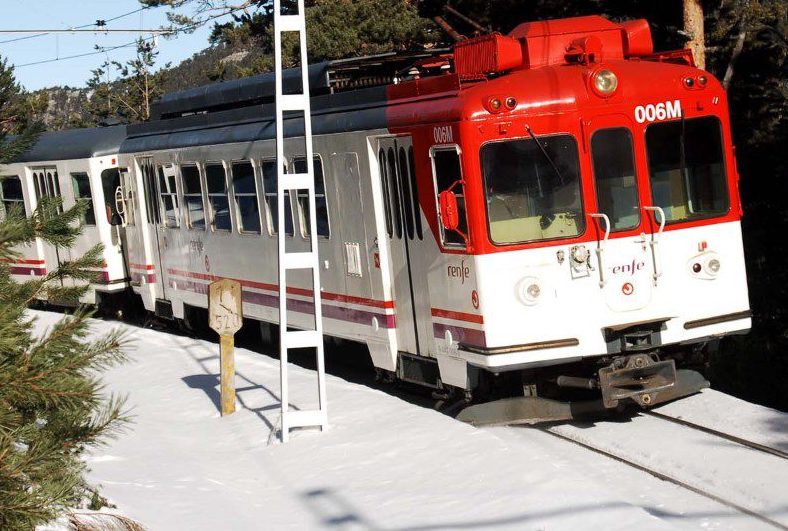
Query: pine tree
[
  {"x": 52, "y": 404},
  {"x": 17, "y": 131},
  {"x": 127, "y": 98}
]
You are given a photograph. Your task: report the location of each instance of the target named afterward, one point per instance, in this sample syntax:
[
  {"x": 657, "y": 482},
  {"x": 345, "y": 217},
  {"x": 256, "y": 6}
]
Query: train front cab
[{"x": 618, "y": 237}]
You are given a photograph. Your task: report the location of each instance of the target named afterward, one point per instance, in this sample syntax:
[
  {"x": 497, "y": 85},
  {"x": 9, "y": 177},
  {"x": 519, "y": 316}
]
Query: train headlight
[
  {"x": 579, "y": 254},
  {"x": 713, "y": 266},
  {"x": 533, "y": 291},
  {"x": 605, "y": 82},
  {"x": 529, "y": 291}
]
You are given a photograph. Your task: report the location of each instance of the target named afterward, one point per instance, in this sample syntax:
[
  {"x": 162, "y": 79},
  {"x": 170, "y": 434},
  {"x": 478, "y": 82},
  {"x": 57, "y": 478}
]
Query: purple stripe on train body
[
  {"x": 468, "y": 336},
  {"x": 27, "y": 271},
  {"x": 150, "y": 278},
  {"x": 300, "y": 306},
  {"x": 330, "y": 311}
]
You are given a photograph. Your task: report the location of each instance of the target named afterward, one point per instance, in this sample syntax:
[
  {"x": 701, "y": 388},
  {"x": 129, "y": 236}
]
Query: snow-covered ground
[{"x": 384, "y": 463}]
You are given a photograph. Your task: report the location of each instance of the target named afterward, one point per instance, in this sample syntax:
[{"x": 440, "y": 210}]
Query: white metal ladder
[{"x": 289, "y": 339}]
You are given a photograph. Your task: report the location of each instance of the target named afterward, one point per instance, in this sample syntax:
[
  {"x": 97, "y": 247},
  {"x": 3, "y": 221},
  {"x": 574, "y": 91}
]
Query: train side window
[
  {"x": 415, "y": 191},
  {"x": 321, "y": 207},
  {"x": 149, "y": 185},
  {"x": 81, "y": 184},
  {"x": 37, "y": 184},
  {"x": 47, "y": 185},
  {"x": 110, "y": 181},
  {"x": 391, "y": 172},
  {"x": 192, "y": 196},
  {"x": 169, "y": 197},
  {"x": 245, "y": 193},
  {"x": 385, "y": 188},
  {"x": 446, "y": 171},
  {"x": 54, "y": 187},
  {"x": 270, "y": 190},
  {"x": 11, "y": 192},
  {"x": 407, "y": 200},
  {"x": 216, "y": 181}
]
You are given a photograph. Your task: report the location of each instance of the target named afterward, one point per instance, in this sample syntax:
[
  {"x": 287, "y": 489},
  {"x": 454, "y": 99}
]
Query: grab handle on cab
[
  {"x": 658, "y": 213},
  {"x": 600, "y": 245}
]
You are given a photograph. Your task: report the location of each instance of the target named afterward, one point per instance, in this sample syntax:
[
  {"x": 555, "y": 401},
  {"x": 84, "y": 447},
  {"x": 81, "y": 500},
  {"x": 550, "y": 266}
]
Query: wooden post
[
  {"x": 225, "y": 317},
  {"x": 227, "y": 373}
]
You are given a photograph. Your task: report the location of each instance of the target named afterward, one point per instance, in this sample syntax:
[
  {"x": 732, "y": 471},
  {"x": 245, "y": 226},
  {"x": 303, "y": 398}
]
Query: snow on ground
[
  {"x": 722, "y": 412},
  {"x": 383, "y": 464}
]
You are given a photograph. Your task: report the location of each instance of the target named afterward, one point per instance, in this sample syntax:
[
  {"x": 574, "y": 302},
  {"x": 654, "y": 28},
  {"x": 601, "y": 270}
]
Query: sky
[{"x": 65, "y": 14}]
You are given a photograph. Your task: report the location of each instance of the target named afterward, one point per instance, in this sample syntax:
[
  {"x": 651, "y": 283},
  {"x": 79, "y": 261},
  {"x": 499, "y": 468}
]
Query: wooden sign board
[{"x": 225, "y": 308}]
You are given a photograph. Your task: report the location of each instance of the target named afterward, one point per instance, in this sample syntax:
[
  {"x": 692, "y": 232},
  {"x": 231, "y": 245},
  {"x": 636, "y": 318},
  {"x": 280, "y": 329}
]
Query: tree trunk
[
  {"x": 693, "y": 26},
  {"x": 735, "y": 55}
]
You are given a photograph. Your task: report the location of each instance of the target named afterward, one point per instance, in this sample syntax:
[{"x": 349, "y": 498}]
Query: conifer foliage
[{"x": 52, "y": 404}]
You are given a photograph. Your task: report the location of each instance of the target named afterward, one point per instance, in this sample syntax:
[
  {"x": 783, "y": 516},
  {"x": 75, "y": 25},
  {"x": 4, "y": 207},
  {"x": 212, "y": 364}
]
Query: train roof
[{"x": 76, "y": 144}]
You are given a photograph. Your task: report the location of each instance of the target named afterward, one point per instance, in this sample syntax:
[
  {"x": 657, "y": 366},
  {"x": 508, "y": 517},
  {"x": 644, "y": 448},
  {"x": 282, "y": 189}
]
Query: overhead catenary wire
[
  {"x": 101, "y": 50},
  {"x": 105, "y": 20}
]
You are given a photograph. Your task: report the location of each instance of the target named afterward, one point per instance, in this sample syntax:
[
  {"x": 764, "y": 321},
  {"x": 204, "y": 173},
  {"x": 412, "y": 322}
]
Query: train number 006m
[{"x": 658, "y": 112}]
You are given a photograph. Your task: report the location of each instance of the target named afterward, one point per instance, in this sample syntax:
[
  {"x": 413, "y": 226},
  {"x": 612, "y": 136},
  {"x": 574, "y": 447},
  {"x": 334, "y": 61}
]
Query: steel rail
[
  {"x": 720, "y": 434},
  {"x": 665, "y": 477}
]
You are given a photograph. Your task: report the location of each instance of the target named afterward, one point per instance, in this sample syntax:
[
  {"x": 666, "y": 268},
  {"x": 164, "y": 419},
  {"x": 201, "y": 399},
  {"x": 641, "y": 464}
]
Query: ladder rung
[
  {"x": 296, "y": 181},
  {"x": 292, "y": 102},
  {"x": 301, "y": 339},
  {"x": 300, "y": 260},
  {"x": 289, "y": 23},
  {"x": 299, "y": 419}
]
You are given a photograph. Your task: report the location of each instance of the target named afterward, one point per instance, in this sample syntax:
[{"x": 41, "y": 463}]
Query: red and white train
[{"x": 557, "y": 207}]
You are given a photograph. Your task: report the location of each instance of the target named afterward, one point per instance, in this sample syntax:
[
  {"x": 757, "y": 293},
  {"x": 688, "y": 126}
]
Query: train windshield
[
  {"x": 686, "y": 168},
  {"x": 527, "y": 199},
  {"x": 614, "y": 176}
]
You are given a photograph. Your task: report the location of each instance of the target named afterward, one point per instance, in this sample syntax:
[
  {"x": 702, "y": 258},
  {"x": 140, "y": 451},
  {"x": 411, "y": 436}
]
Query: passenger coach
[{"x": 71, "y": 165}]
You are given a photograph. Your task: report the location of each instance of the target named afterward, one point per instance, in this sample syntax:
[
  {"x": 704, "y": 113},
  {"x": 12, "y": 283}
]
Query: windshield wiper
[{"x": 546, "y": 156}]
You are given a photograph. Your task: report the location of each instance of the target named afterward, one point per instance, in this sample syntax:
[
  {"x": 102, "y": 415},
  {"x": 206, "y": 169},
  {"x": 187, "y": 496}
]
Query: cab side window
[
  {"x": 447, "y": 171},
  {"x": 81, "y": 185},
  {"x": 12, "y": 198}
]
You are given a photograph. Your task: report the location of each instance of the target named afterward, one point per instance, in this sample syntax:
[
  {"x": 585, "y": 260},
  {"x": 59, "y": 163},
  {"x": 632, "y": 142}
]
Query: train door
[
  {"x": 153, "y": 225},
  {"x": 405, "y": 234},
  {"x": 622, "y": 220},
  {"x": 46, "y": 184}
]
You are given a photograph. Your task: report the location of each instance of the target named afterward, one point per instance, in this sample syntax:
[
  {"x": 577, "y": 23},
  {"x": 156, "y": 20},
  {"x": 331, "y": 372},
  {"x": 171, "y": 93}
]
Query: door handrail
[
  {"x": 661, "y": 212},
  {"x": 655, "y": 239},
  {"x": 600, "y": 246}
]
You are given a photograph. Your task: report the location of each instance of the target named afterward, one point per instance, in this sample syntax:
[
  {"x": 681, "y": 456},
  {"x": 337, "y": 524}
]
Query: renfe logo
[
  {"x": 461, "y": 271},
  {"x": 628, "y": 269},
  {"x": 658, "y": 112}
]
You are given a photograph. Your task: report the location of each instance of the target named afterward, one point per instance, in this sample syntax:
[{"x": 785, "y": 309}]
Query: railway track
[
  {"x": 722, "y": 435},
  {"x": 664, "y": 474}
]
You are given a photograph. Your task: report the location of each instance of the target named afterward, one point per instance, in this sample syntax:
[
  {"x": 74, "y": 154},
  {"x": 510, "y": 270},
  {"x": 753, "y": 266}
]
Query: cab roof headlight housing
[{"x": 604, "y": 82}]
